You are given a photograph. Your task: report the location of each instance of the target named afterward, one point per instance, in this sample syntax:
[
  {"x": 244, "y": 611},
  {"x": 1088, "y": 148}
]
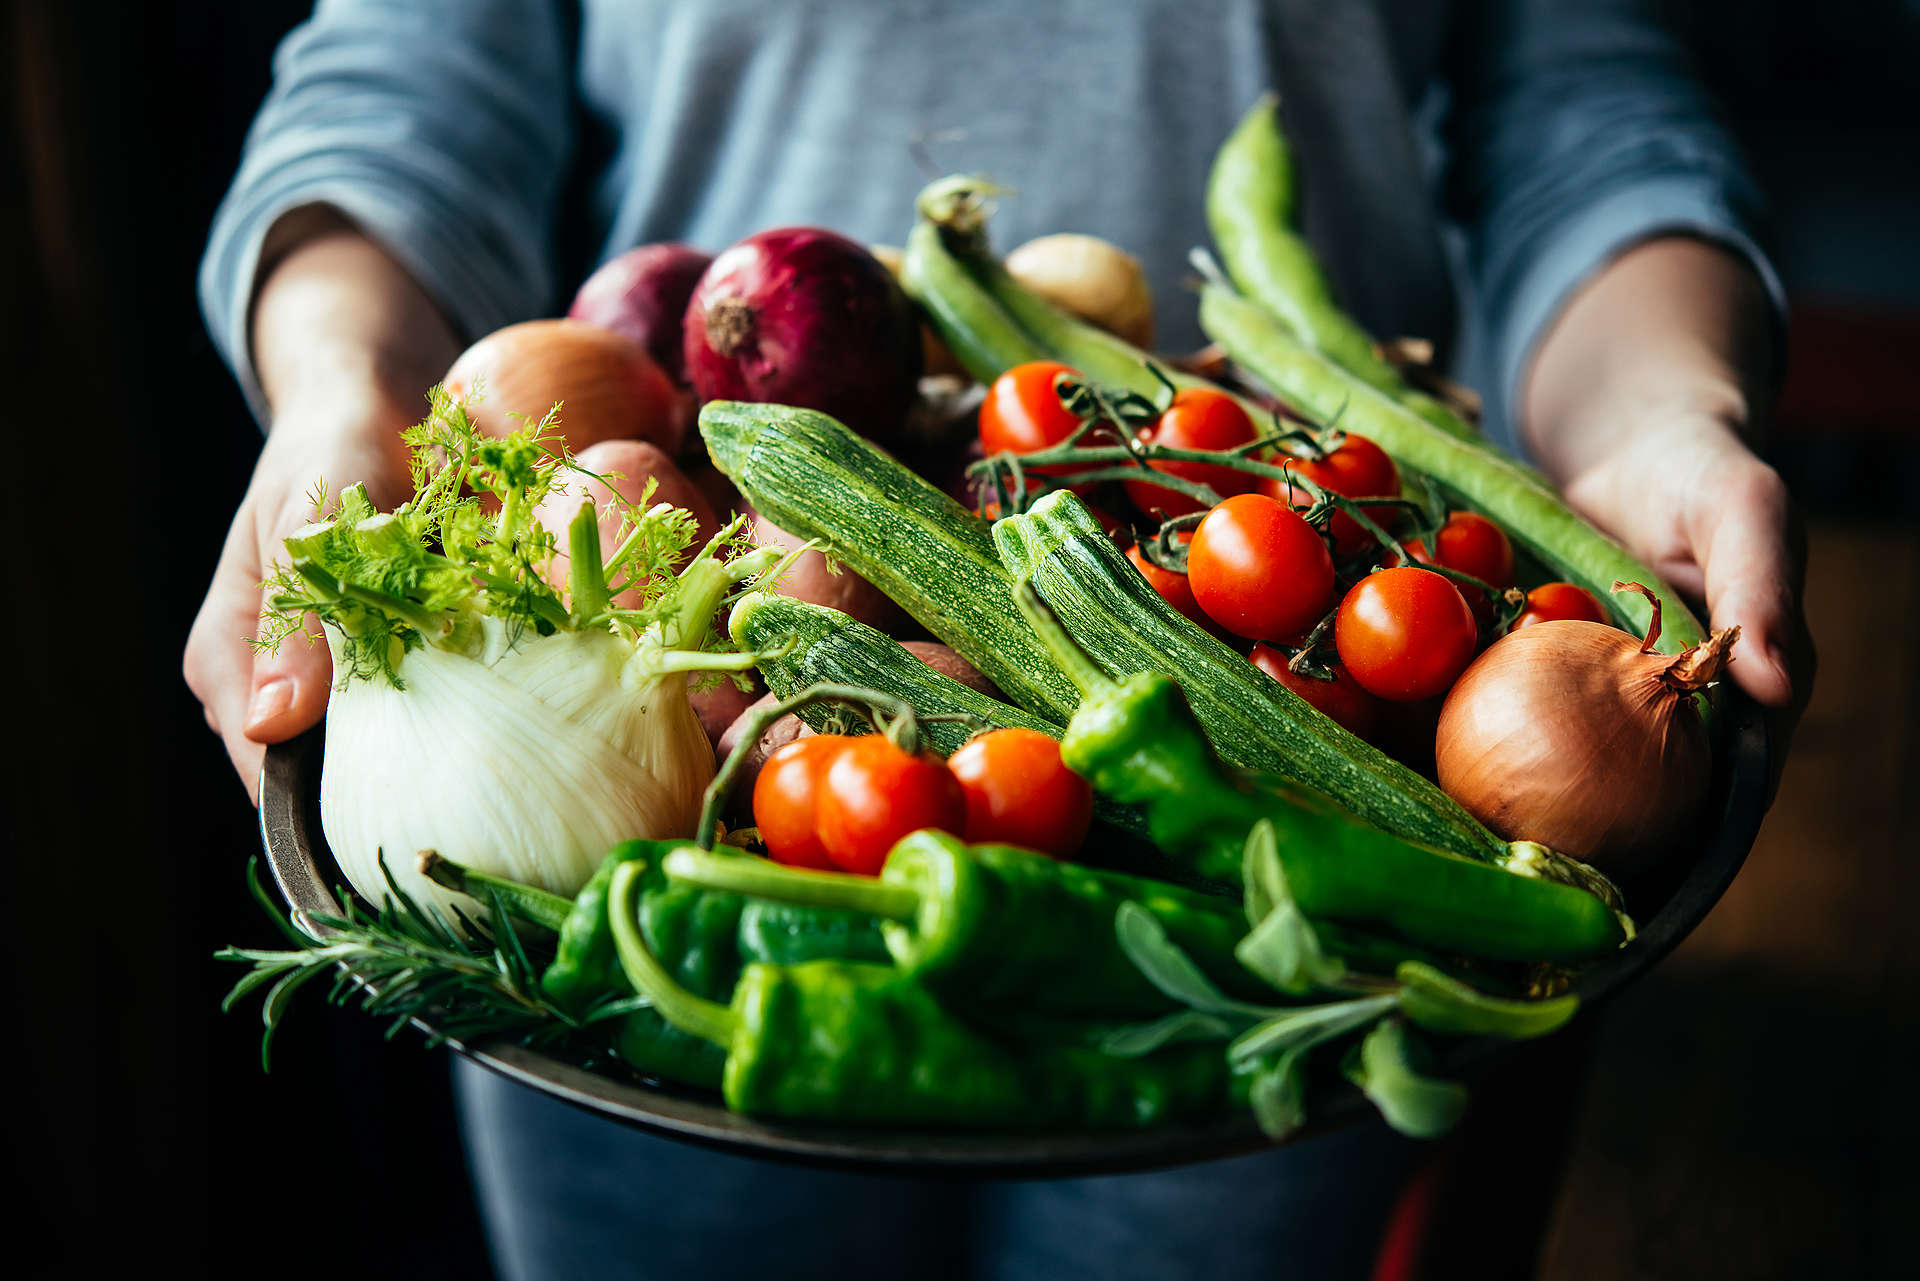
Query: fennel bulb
[{"x": 479, "y": 710}]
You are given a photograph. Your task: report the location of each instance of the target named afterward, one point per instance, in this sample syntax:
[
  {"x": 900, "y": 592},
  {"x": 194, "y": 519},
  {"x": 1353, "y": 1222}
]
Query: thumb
[{"x": 290, "y": 686}]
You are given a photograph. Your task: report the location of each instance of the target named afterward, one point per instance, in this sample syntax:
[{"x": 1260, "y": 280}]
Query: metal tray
[{"x": 304, "y": 869}]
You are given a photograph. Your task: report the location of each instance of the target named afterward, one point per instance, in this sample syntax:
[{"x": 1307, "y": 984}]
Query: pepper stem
[
  {"x": 1074, "y": 661},
  {"x": 529, "y": 902},
  {"x": 803, "y": 887},
  {"x": 694, "y": 1015}
]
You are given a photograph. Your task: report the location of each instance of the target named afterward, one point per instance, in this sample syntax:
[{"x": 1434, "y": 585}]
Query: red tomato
[
  {"x": 1405, "y": 634},
  {"x": 1475, "y": 545},
  {"x": 1259, "y": 570},
  {"x": 1173, "y": 588},
  {"x": 1198, "y": 418},
  {"x": 1022, "y": 412},
  {"x": 1357, "y": 469},
  {"x": 1550, "y": 601},
  {"x": 1019, "y": 792},
  {"x": 1340, "y": 698},
  {"x": 786, "y": 796},
  {"x": 872, "y": 794}
]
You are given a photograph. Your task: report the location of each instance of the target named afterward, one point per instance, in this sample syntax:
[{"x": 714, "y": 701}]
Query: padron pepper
[
  {"x": 995, "y": 924},
  {"x": 702, "y": 936},
  {"x": 1137, "y": 741},
  {"x": 857, "y": 1042}
]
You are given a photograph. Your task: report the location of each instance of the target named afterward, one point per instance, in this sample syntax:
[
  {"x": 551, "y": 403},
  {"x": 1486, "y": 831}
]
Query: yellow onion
[
  {"x": 1578, "y": 736},
  {"x": 1095, "y": 280},
  {"x": 606, "y": 385}
]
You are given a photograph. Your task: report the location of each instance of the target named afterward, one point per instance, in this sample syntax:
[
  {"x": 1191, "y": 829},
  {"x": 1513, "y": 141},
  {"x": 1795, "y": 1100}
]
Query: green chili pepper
[
  {"x": 1137, "y": 741},
  {"x": 994, "y": 924},
  {"x": 852, "y": 1041}
]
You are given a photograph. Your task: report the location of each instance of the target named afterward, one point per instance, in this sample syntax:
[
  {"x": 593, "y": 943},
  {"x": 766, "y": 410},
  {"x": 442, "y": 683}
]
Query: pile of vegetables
[{"x": 1273, "y": 724}]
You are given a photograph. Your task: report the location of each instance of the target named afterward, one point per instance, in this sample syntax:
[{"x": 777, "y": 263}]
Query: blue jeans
[{"x": 565, "y": 1194}]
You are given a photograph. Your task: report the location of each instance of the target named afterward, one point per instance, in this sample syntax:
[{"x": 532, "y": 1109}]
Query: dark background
[{"x": 139, "y": 1128}]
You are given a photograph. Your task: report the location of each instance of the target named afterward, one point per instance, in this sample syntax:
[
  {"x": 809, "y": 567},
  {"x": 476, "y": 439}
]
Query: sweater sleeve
[
  {"x": 1578, "y": 130},
  {"x": 440, "y": 127}
]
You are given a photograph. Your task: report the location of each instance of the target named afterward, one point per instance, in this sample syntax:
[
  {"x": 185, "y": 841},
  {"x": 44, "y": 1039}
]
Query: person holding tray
[{"x": 419, "y": 172}]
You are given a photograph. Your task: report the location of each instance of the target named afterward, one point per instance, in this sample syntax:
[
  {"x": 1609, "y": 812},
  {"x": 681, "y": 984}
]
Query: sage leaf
[
  {"x": 1417, "y": 1105},
  {"x": 1440, "y": 1003},
  {"x": 1137, "y": 1039},
  {"x": 1279, "y": 1094},
  {"x": 1146, "y": 944}
]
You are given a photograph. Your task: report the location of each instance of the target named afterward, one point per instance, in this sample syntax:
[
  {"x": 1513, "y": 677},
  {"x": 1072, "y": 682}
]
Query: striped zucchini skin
[
  {"x": 812, "y": 477},
  {"x": 825, "y": 645},
  {"x": 1253, "y": 722}
]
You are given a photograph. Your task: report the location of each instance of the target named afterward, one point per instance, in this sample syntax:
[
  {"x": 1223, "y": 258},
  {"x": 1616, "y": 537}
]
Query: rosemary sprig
[{"x": 405, "y": 962}]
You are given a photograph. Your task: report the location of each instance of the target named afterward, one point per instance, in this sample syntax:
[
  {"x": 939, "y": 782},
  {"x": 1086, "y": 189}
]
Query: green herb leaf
[
  {"x": 1168, "y": 968},
  {"x": 1417, "y": 1105},
  {"x": 1441, "y": 1003},
  {"x": 1283, "y": 947},
  {"x": 1307, "y": 1025},
  {"x": 1278, "y": 1094},
  {"x": 1137, "y": 1039}
]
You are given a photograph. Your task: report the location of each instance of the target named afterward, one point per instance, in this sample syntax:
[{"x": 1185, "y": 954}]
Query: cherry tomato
[
  {"x": 1405, "y": 634},
  {"x": 1019, "y": 792},
  {"x": 1340, "y": 698},
  {"x": 1550, "y": 601},
  {"x": 1357, "y": 469},
  {"x": 1472, "y": 544},
  {"x": 1259, "y": 570},
  {"x": 786, "y": 796},
  {"x": 1198, "y": 418},
  {"x": 1173, "y": 588},
  {"x": 1022, "y": 412},
  {"x": 872, "y": 794}
]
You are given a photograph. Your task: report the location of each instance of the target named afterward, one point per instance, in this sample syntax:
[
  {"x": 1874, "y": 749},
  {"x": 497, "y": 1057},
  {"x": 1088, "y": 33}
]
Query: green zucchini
[
  {"x": 812, "y": 644},
  {"x": 812, "y": 477},
  {"x": 1253, "y": 722}
]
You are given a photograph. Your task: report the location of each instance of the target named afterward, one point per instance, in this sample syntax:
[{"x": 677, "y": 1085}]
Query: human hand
[{"x": 252, "y": 699}]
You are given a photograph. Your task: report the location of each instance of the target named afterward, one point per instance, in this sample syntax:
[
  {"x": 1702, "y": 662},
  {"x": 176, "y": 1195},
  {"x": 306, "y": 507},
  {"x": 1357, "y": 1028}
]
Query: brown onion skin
[
  {"x": 1565, "y": 734},
  {"x": 607, "y": 387},
  {"x": 803, "y": 316},
  {"x": 809, "y": 579}
]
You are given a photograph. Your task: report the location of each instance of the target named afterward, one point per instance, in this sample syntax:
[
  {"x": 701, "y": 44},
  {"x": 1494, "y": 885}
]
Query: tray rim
[{"x": 292, "y": 842}]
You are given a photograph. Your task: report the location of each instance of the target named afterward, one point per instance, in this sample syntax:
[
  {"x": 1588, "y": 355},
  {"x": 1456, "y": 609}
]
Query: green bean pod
[{"x": 983, "y": 338}]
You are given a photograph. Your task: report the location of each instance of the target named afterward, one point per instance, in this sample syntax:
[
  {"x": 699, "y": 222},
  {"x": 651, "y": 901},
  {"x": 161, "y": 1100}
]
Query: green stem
[
  {"x": 694, "y": 1015},
  {"x": 759, "y": 878},
  {"x": 528, "y": 902},
  {"x": 586, "y": 577},
  {"x": 1308, "y": 1026},
  {"x": 1066, "y": 652},
  {"x": 905, "y": 723}
]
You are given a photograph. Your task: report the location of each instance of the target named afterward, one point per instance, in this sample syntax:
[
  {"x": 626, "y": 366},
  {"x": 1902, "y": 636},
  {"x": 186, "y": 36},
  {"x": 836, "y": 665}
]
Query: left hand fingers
[{"x": 1740, "y": 533}]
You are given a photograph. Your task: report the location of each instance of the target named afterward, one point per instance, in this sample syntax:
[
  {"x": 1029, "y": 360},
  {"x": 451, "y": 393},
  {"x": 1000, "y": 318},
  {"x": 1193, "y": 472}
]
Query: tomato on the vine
[
  {"x": 1259, "y": 569},
  {"x": 1358, "y": 468},
  {"x": 1341, "y": 698},
  {"x": 1405, "y": 633},
  {"x": 1022, "y": 413},
  {"x": 1174, "y": 587},
  {"x": 872, "y": 794},
  {"x": 1551, "y": 601},
  {"x": 1198, "y": 418},
  {"x": 787, "y": 795},
  {"x": 1472, "y": 544},
  {"x": 1019, "y": 792}
]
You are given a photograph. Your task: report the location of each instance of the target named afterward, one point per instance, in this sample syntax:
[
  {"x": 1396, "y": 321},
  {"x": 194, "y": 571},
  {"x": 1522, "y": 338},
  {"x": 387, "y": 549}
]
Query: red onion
[
  {"x": 1578, "y": 736},
  {"x": 802, "y": 316},
  {"x": 643, "y": 294}
]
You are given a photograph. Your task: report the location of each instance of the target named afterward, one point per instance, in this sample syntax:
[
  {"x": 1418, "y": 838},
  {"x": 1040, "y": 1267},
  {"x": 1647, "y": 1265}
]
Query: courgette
[
  {"x": 812, "y": 477},
  {"x": 811, "y": 645},
  {"x": 1253, "y": 722}
]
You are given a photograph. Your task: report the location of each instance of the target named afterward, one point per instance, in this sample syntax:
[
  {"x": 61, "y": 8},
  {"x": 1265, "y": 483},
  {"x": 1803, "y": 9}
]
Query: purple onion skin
[
  {"x": 643, "y": 294},
  {"x": 803, "y": 316}
]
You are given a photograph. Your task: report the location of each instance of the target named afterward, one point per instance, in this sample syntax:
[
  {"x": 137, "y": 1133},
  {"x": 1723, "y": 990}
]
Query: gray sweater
[{"x": 1476, "y": 159}]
